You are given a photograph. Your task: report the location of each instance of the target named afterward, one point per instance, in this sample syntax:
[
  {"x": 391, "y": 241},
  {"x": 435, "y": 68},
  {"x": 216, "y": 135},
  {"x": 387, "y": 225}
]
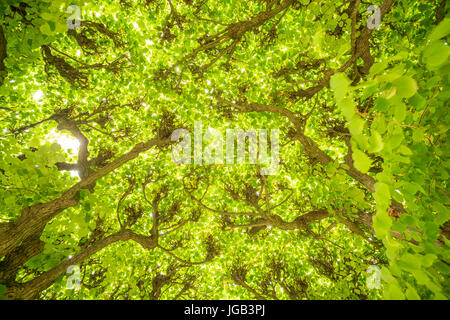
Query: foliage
[{"x": 87, "y": 176}]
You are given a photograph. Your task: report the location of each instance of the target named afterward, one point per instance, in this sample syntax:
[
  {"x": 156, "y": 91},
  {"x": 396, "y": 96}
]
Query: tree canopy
[{"x": 91, "y": 93}]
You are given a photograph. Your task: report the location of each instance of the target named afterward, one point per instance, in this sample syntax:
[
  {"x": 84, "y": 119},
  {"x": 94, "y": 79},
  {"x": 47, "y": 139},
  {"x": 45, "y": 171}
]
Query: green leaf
[
  {"x": 347, "y": 107},
  {"x": 386, "y": 275},
  {"x": 47, "y": 16},
  {"x": 400, "y": 112},
  {"x": 382, "y": 193},
  {"x": 417, "y": 101},
  {"x": 418, "y": 135},
  {"x": 443, "y": 214},
  {"x": 376, "y": 142},
  {"x": 378, "y": 67},
  {"x": 420, "y": 276},
  {"x": 428, "y": 260},
  {"x": 411, "y": 293},
  {"x": 379, "y": 125},
  {"x": 45, "y": 29},
  {"x": 393, "y": 292},
  {"x": 355, "y": 125},
  {"x": 410, "y": 262},
  {"x": 405, "y": 150},
  {"x": 435, "y": 54},
  {"x": 396, "y": 138},
  {"x": 381, "y": 223}
]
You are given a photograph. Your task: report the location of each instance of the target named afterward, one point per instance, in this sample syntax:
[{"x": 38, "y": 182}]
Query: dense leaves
[{"x": 91, "y": 92}]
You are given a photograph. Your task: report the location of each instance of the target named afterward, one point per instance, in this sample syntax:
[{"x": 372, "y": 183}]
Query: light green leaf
[
  {"x": 393, "y": 292},
  {"x": 441, "y": 30},
  {"x": 435, "y": 54},
  {"x": 376, "y": 142},
  {"x": 411, "y": 293},
  {"x": 45, "y": 29}
]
